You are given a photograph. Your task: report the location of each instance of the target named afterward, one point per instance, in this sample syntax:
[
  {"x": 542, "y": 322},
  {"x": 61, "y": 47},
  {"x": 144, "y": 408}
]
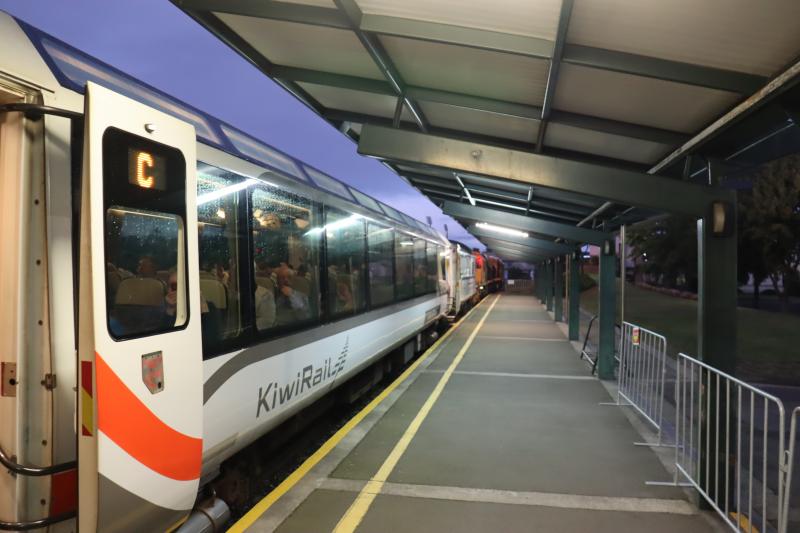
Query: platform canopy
[{"x": 581, "y": 112}]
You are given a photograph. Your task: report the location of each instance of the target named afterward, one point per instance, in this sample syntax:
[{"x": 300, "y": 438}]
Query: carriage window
[
  {"x": 404, "y": 265},
  {"x": 144, "y": 198},
  {"x": 345, "y": 247},
  {"x": 141, "y": 274},
  {"x": 381, "y": 264},
  {"x": 433, "y": 275},
  {"x": 220, "y": 236},
  {"x": 286, "y": 240},
  {"x": 420, "y": 268}
]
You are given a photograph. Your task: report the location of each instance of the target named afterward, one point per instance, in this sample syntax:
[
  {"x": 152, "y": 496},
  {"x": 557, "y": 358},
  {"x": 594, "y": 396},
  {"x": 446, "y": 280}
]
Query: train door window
[
  {"x": 145, "y": 247},
  {"x": 286, "y": 243},
  {"x": 420, "y": 268},
  {"x": 431, "y": 256},
  {"x": 345, "y": 251},
  {"x": 444, "y": 262},
  {"x": 221, "y": 235},
  {"x": 404, "y": 265},
  {"x": 380, "y": 247}
]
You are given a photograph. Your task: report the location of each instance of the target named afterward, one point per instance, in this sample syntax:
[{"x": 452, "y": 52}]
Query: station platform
[{"x": 498, "y": 427}]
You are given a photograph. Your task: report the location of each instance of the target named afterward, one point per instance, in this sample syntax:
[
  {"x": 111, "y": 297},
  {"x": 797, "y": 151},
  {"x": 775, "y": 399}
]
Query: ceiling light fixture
[{"x": 500, "y": 229}]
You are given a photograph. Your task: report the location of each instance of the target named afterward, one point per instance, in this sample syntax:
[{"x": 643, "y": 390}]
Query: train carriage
[
  {"x": 460, "y": 268},
  {"x": 172, "y": 289}
]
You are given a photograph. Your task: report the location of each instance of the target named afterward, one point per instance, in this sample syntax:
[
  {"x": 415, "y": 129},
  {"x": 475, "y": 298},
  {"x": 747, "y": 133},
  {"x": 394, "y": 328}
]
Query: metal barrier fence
[
  {"x": 790, "y": 465},
  {"x": 642, "y": 375},
  {"x": 519, "y": 285},
  {"x": 729, "y": 437},
  {"x": 590, "y": 354},
  {"x": 591, "y": 342}
]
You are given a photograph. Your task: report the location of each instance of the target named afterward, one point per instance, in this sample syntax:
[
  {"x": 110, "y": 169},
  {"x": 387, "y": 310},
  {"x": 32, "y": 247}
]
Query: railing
[
  {"x": 590, "y": 356},
  {"x": 790, "y": 464},
  {"x": 519, "y": 285},
  {"x": 642, "y": 375},
  {"x": 729, "y": 435},
  {"x": 585, "y": 353}
]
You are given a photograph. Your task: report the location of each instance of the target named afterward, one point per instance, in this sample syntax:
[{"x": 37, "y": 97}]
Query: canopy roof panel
[
  {"x": 646, "y": 86},
  {"x": 738, "y": 35},
  {"x": 514, "y": 17}
]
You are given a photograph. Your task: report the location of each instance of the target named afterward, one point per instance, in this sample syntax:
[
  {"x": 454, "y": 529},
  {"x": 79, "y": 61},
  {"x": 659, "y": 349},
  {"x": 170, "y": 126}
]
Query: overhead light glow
[
  {"x": 225, "y": 191},
  {"x": 339, "y": 224},
  {"x": 500, "y": 229}
]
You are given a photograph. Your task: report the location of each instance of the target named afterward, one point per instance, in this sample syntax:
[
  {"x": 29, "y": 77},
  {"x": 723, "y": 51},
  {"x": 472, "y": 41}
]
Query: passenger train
[{"x": 173, "y": 289}]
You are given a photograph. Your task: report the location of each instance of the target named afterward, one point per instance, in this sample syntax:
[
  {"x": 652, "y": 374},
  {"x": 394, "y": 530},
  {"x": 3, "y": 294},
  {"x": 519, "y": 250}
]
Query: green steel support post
[
  {"x": 550, "y": 282},
  {"x": 716, "y": 298},
  {"x": 540, "y": 281},
  {"x": 607, "y": 312},
  {"x": 574, "y": 296},
  {"x": 716, "y": 327},
  {"x": 543, "y": 279},
  {"x": 558, "y": 292}
]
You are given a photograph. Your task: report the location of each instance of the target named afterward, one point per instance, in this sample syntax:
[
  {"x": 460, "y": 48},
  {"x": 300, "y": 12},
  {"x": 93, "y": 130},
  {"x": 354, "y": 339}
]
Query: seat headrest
[
  {"x": 214, "y": 291},
  {"x": 140, "y": 291}
]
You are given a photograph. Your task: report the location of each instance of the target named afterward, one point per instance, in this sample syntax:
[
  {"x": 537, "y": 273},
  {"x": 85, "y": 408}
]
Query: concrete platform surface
[{"x": 499, "y": 428}]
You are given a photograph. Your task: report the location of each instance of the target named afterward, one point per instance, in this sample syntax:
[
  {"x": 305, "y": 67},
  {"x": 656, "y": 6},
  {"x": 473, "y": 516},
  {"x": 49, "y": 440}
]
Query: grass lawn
[{"x": 768, "y": 343}]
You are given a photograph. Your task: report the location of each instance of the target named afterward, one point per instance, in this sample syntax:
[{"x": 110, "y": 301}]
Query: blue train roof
[{"x": 74, "y": 68}]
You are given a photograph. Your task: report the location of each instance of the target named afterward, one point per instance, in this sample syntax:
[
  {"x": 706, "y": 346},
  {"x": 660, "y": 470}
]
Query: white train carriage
[
  {"x": 460, "y": 269},
  {"x": 171, "y": 290}
]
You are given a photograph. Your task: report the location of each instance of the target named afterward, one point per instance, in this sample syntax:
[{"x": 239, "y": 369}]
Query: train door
[{"x": 139, "y": 346}]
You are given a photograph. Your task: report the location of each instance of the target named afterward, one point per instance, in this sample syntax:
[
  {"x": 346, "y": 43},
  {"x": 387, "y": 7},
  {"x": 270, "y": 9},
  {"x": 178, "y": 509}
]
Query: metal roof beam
[
  {"x": 614, "y": 127},
  {"x": 330, "y": 79},
  {"x": 493, "y": 244},
  {"x": 552, "y": 74},
  {"x": 618, "y": 185},
  {"x": 443, "y": 193},
  {"x": 777, "y": 85},
  {"x": 381, "y": 58},
  {"x": 283, "y": 11},
  {"x": 523, "y": 223},
  {"x": 663, "y": 69},
  {"x": 527, "y": 242},
  {"x": 518, "y": 255},
  {"x": 477, "y": 103},
  {"x": 458, "y": 35}
]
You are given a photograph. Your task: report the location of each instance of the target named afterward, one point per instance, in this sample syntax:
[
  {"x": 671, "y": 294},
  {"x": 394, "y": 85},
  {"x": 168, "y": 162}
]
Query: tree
[
  {"x": 751, "y": 260},
  {"x": 668, "y": 249},
  {"x": 770, "y": 220}
]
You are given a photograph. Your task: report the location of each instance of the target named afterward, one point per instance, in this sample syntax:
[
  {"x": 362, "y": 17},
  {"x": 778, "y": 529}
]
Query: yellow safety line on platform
[
  {"x": 265, "y": 503},
  {"x": 358, "y": 509}
]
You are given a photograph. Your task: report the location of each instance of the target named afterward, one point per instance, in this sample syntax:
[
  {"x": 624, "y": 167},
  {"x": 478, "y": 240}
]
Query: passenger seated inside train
[
  {"x": 291, "y": 305},
  {"x": 139, "y": 302},
  {"x": 265, "y": 308}
]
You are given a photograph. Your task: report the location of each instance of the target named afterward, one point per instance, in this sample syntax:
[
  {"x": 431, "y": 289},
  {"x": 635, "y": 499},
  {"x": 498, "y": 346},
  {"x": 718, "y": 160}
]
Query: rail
[
  {"x": 585, "y": 353},
  {"x": 36, "y": 524},
  {"x": 34, "y": 471},
  {"x": 642, "y": 375},
  {"x": 728, "y": 433},
  {"x": 788, "y": 471},
  {"x": 23, "y": 470}
]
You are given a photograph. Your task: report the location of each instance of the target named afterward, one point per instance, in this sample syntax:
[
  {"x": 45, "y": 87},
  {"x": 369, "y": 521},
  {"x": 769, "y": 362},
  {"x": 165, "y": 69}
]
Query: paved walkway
[{"x": 498, "y": 429}]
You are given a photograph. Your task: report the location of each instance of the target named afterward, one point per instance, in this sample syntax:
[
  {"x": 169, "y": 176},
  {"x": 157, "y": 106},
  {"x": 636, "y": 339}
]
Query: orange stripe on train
[{"x": 127, "y": 421}]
